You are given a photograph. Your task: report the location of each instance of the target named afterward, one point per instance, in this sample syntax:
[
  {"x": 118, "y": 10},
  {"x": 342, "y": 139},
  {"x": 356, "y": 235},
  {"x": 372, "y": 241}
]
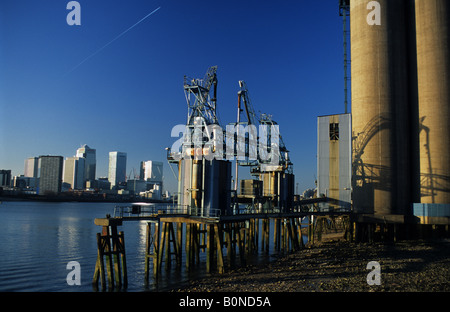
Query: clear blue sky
[{"x": 128, "y": 96}]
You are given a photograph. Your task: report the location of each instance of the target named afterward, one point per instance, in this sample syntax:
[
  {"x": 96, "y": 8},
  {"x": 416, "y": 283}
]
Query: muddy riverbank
[{"x": 339, "y": 266}]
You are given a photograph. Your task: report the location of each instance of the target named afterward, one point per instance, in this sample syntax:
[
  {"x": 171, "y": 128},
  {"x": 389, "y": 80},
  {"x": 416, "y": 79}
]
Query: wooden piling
[
  {"x": 156, "y": 243},
  {"x": 188, "y": 246},
  {"x": 293, "y": 238},
  {"x": 100, "y": 265},
  {"x": 229, "y": 244},
  {"x": 311, "y": 230},
  {"x": 240, "y": 242},
  {"x": 161, "y": 245},
  {"x": 108, "y": 256},
  {"x": 148, "y": 255},
  {"x": 171, "y": 246},
  {"x": 257, "y": 231},
  {"x": 277, "y": 234},
  {"x": 298, "y": 229},
  {"x": 179, "y": 244},
  {"x": 115, "y": 247},
  {"x": 209, "y": 248},
  {"x": 267, "y": 234},
  {"x": 168, "y": 251},
  {"x": 110, "y": 251},
  {"x": 218, "y": 239},
  {"x": 249, "y": 237},
  {"x": 196, "y": 245}
]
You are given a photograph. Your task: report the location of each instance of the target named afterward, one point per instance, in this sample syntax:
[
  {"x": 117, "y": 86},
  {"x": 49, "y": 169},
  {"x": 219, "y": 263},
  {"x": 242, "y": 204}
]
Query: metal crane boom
[
  {"x": 243, "y": 93},
  {"x": 202, "y": 105}
]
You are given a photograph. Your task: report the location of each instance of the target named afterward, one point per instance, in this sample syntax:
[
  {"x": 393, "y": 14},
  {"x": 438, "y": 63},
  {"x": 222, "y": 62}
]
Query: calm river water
[{"x": 39, "y": 239}]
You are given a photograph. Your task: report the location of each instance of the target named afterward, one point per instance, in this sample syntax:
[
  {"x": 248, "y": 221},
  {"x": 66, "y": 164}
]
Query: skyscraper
[
  {"x": 50, "y": 174},
  {"x": 90, "y": 161},
  {"x": 73, "y": 173},
  {"x": 5, "y": 177},
  {"x": 31, "y": 167},
  {"x": 117, "y": 168},
  {"x": 151, "y": 171}
]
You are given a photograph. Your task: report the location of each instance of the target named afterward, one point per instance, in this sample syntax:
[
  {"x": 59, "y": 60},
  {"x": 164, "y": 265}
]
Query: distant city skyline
[
  {"x": 34, "y": 160},
  {"x": 75, "y": 179}
]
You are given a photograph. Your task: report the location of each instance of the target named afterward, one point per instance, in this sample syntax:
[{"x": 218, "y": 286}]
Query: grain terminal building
[{"x": 400, "y": 114}]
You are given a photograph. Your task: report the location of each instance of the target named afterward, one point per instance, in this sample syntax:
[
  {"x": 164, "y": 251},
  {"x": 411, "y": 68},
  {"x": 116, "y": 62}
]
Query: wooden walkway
[{"x": 227, "y": 241}]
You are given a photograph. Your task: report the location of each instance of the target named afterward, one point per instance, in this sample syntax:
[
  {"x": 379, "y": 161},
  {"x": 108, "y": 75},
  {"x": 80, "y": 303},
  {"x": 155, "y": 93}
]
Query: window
[{"x": 334, "y": 131}]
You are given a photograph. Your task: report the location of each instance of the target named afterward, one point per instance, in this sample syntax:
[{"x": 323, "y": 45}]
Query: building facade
[
  {"x": 89, "y": 154},
  {"x": 151, "y": 171},
  {"x": 334, "y": 164},
  {"x": 5, "y": 178},
  {"x": 50, "y": 174},
  {"x": 25, "y": 183},
  {"x": 117, "y": 168},
  {"x": 400, "y": 73},
  {"x": 74, "y": 171},
  {"x": 31, "y": 167}
]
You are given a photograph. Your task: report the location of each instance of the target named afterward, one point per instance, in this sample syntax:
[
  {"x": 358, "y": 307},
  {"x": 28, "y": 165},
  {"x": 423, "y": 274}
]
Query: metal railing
[{"x": 153, "y": 210}]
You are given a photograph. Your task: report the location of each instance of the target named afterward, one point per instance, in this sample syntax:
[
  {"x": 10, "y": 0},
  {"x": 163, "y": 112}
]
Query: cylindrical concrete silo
[
  {"x": 380, "y": 113},
  {"x": 433, "y": 68}
]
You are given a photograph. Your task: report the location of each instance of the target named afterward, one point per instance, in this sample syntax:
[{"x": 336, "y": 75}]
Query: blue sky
[{"x": 128, "y": 96}]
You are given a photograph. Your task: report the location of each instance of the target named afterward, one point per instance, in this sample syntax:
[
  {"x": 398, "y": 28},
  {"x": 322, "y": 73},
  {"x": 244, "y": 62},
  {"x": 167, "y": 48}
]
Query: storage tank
[
  {"x": 278, "y": 185},
  {"x": 204, "y": 186},
  {"x": 380, "y": 113},
  {"x": 433, "y": 68}
]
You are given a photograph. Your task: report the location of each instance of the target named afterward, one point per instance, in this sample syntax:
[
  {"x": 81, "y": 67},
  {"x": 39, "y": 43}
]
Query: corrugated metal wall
[{"x": 334, "y": 158}]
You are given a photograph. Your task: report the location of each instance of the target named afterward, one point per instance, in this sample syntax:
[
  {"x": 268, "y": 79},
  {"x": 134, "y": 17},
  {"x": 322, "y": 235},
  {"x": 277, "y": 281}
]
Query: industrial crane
[
  {"x": 284, "y": 163},
  {"x": 204, "y": 182},
  {"x": 202, "y": 105},
  {"x": 250, "y": 133},
  {"x": 264, "y": 120},
  {"x": 274, "y": 169},
  {"x": 243, "y": 94}
]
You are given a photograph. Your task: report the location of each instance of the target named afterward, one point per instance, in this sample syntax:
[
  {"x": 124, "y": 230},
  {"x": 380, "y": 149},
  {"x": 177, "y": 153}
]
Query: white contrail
[{"x": 120, "y": 35}]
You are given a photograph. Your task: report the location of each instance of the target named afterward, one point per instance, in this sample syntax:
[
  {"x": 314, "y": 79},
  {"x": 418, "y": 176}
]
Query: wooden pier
[{"x": 225, "y": 241}]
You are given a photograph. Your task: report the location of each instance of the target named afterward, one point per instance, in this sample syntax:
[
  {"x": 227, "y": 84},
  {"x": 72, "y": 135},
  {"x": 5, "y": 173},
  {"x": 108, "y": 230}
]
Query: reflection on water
[{"x": 39, "y": 239}]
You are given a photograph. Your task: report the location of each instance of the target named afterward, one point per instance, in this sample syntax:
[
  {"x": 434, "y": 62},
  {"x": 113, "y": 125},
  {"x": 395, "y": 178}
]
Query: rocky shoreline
[{"x": 340, "y": 266}]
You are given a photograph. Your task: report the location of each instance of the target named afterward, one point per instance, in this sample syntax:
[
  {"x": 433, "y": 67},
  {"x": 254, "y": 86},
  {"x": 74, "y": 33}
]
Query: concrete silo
[
  {"x": 433, "y": 68},
  {"x": 380, "y": 111}
]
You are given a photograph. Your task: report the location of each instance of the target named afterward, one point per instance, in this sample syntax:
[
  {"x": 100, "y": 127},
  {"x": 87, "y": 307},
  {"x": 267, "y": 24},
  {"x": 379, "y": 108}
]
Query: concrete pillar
[
  {"x": 380, "y": 112},
  {"x": 433, "y": 63}
]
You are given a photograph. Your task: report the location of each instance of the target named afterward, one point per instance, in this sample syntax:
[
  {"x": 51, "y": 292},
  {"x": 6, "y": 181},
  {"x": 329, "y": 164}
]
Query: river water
[{"x": 39, "y": 239}]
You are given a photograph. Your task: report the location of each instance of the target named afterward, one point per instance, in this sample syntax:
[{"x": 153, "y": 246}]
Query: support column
[
  {"x": 111, "y": 248},
  {"x": 218, "y": 237},
  {"x": 210, "y": 248}
]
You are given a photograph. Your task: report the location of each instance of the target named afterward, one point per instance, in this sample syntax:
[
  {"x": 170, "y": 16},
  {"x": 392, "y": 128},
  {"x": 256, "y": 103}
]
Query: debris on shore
[{"x": 406, "y": 266}]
